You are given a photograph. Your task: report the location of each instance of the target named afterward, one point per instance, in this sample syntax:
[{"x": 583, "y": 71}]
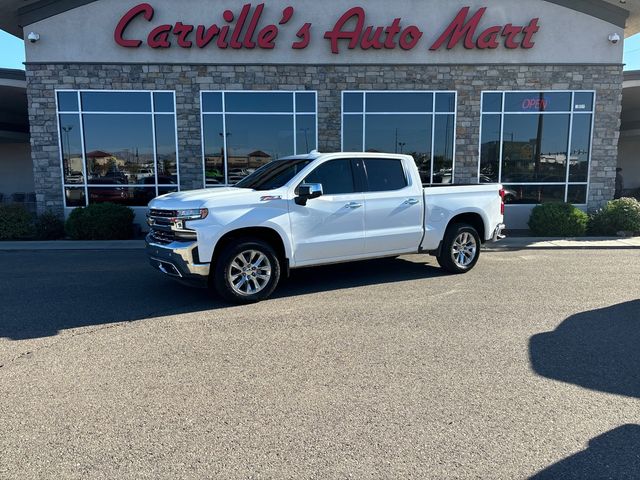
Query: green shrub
[
  {"x": 622, "y": 215},
  {"x": 49, "y": 226},
  {"x": 103, "y": 221},
  {"x": 16, "y": 223},
  {"x": 558, "y": 220}
]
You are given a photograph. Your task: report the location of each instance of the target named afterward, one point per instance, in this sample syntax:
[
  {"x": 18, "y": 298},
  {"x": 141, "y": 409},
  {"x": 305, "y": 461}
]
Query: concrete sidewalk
[
  {"x": 519, "y": 243},
  {"x": 509, "y": 243}
]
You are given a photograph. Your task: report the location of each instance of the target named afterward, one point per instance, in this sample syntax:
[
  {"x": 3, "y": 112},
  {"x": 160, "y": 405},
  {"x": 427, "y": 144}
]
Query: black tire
[
  {"x": 446, "y": 257},
  {"x": 223, "y": 266}
]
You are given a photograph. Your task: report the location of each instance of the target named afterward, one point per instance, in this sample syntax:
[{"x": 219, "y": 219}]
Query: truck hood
[{"x": 207, "y": 198}]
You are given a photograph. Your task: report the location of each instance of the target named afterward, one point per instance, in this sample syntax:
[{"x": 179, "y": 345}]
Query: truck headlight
[{"x": 192, "y": 214}]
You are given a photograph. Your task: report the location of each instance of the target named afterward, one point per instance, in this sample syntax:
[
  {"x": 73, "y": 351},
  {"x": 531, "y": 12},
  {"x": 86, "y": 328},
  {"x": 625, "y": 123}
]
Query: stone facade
[{"x": 329, "y": 81}]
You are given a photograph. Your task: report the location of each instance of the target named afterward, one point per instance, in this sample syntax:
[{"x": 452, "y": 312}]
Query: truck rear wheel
[
  {"x": 247, "y": 271},
  {"x": 460, "y": 248}
]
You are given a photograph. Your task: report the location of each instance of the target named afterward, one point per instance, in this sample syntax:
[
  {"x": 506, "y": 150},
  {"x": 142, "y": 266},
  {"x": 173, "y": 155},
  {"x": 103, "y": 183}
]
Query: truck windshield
[{"x": 273, "y": 174}]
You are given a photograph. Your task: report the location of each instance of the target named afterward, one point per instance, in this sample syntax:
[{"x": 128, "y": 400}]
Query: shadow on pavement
[
  {"x": 612, "y": 455},
  {"x": 598, "y": 349},
  {"x": 42, "y": 293}
]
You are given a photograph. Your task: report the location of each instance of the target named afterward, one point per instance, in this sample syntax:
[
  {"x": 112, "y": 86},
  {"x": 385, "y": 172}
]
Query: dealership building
[{"x": 123, "y": 101}]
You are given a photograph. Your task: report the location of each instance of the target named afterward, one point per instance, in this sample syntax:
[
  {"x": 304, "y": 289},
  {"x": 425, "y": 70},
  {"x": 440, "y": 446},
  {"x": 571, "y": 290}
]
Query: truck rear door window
[{"x": 385, "y": 175}]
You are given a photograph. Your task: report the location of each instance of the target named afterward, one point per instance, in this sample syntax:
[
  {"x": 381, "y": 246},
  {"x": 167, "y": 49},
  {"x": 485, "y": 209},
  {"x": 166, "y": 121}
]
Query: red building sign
[{"x": 248, "y": 29}]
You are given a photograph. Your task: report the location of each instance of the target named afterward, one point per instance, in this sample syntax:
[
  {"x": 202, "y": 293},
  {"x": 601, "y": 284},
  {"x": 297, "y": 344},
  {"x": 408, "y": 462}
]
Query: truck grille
[
  {"x": 165, "y": 228},
  {"x": 155, "y": 213},
  {"x": 164, "y": 238}
]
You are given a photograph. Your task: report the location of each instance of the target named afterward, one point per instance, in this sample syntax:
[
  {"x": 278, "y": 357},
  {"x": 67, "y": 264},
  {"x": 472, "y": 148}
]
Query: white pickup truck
[{"x": 317, "y": 209}]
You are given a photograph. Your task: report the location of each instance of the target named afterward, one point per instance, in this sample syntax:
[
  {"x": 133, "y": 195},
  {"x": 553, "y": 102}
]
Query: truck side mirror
[{"x": 308, "y": 191}]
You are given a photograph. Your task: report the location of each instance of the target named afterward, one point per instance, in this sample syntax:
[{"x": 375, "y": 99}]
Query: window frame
[
  {"x": 294, "y": 113},
  {"x": 572, "y": 112},
  {"x": 80, "y": 112},
  {"x": 433, "y": 113}
]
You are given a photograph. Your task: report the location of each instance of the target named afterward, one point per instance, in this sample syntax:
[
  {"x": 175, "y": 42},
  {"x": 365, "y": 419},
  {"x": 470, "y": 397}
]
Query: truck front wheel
[
  {"x": 460, "y": 248},
  {"x": 246, "y": 271}
]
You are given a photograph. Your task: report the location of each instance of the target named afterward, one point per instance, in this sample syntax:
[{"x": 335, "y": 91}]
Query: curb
[
  {"x": 587, "y": 243},
  {"x": 508, "y": 244},
  {"x": 516, "y": 248},
  {"x": 72, "y": 245}
]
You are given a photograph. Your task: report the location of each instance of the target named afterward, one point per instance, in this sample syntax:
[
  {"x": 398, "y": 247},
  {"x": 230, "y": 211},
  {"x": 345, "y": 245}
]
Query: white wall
[
  {"x": 16, "y": 168},
  {"x": 629, "y": 159}
]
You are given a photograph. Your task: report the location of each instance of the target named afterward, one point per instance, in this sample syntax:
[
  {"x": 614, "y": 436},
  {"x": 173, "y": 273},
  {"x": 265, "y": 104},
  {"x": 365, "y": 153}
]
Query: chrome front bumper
[
  {"x": 497, "y": 233},
  {"x": 178, "y": 260}
]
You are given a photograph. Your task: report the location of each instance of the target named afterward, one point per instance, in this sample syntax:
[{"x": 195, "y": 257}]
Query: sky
[{"x": 12, "y": 52}]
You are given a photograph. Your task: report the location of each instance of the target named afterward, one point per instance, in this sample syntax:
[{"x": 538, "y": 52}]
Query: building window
[
  {"x": 117, "y": 146},
  {"x": 418, "y": 123},
  {"x": 242, "y": 131},
  {"x": 538, "y": 144}
]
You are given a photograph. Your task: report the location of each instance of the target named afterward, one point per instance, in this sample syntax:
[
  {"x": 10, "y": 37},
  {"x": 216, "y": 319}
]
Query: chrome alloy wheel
[
  {"x": 464, "y": 250},
  {"x": 249, "y": 272}
]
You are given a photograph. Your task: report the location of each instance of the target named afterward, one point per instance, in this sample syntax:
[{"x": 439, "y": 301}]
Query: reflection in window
[
  {"x": 401, "y": 102},
  {"x": 253, "y": 140},
  {"x": 384, "y": 175},
  {"x": 116, "y": 102},
  {"x": 306, "y": 133},
  {"x": 528, "y": 102},
  {"x": 491, "y": 102},
  {"x": 265, "y": 102},
  {"x": 305, "y": 102},
  {"x": 253, "y": 129},
  {"x": 534, "y": 194},
  {"x": 538, "y": 146},
  {"x": 119, "y": 147},
  {"x": 336, "y": 177},
  {"x": 71, "y": 145},
  {"x": 165, "y": 190},
  {"x": 68, "y": 102},
  {"x": 214, "y": 170},
  {"x": 420, "y": 124},
  {"x": 352, "y": 102},
  {"x": 408, "y": 134},
  {"x": 535, "y": 148},
  {"x": 577, "y": 194},
  {"x": 580, "y": 141},
  {"x": 352, "y": 133},
  {"x": 490, "y": 149},
  {"x": 75, "y": 197},
  {"x": 583, "y": 101},
  {"x": 166, "y": 150},
  {"x": 443, "y": 149},
  {"x": 274, "y": 174}
]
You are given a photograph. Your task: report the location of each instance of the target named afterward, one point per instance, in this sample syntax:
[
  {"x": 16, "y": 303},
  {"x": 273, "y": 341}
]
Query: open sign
[{"x": 537, "y": 104}]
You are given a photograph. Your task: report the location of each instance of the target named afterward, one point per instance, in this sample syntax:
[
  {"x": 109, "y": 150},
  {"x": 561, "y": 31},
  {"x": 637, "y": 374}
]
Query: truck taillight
[{"x": 502, "y": 193}]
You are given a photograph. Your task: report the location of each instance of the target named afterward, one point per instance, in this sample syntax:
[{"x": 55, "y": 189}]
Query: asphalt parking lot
[{"x": 529, "y": 366}]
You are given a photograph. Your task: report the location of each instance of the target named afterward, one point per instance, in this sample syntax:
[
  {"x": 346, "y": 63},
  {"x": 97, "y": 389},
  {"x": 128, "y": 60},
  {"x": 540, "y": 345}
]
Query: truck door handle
[
  {"x": 353, "y": 205},
  {"x": 412, "y": 201}
]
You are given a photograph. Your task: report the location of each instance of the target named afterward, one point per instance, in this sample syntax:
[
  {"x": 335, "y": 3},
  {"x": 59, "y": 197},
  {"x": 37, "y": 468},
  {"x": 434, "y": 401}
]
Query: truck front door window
[
  {"x": 335, "y": 176},
  {"x": 273, "y": 175}
]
